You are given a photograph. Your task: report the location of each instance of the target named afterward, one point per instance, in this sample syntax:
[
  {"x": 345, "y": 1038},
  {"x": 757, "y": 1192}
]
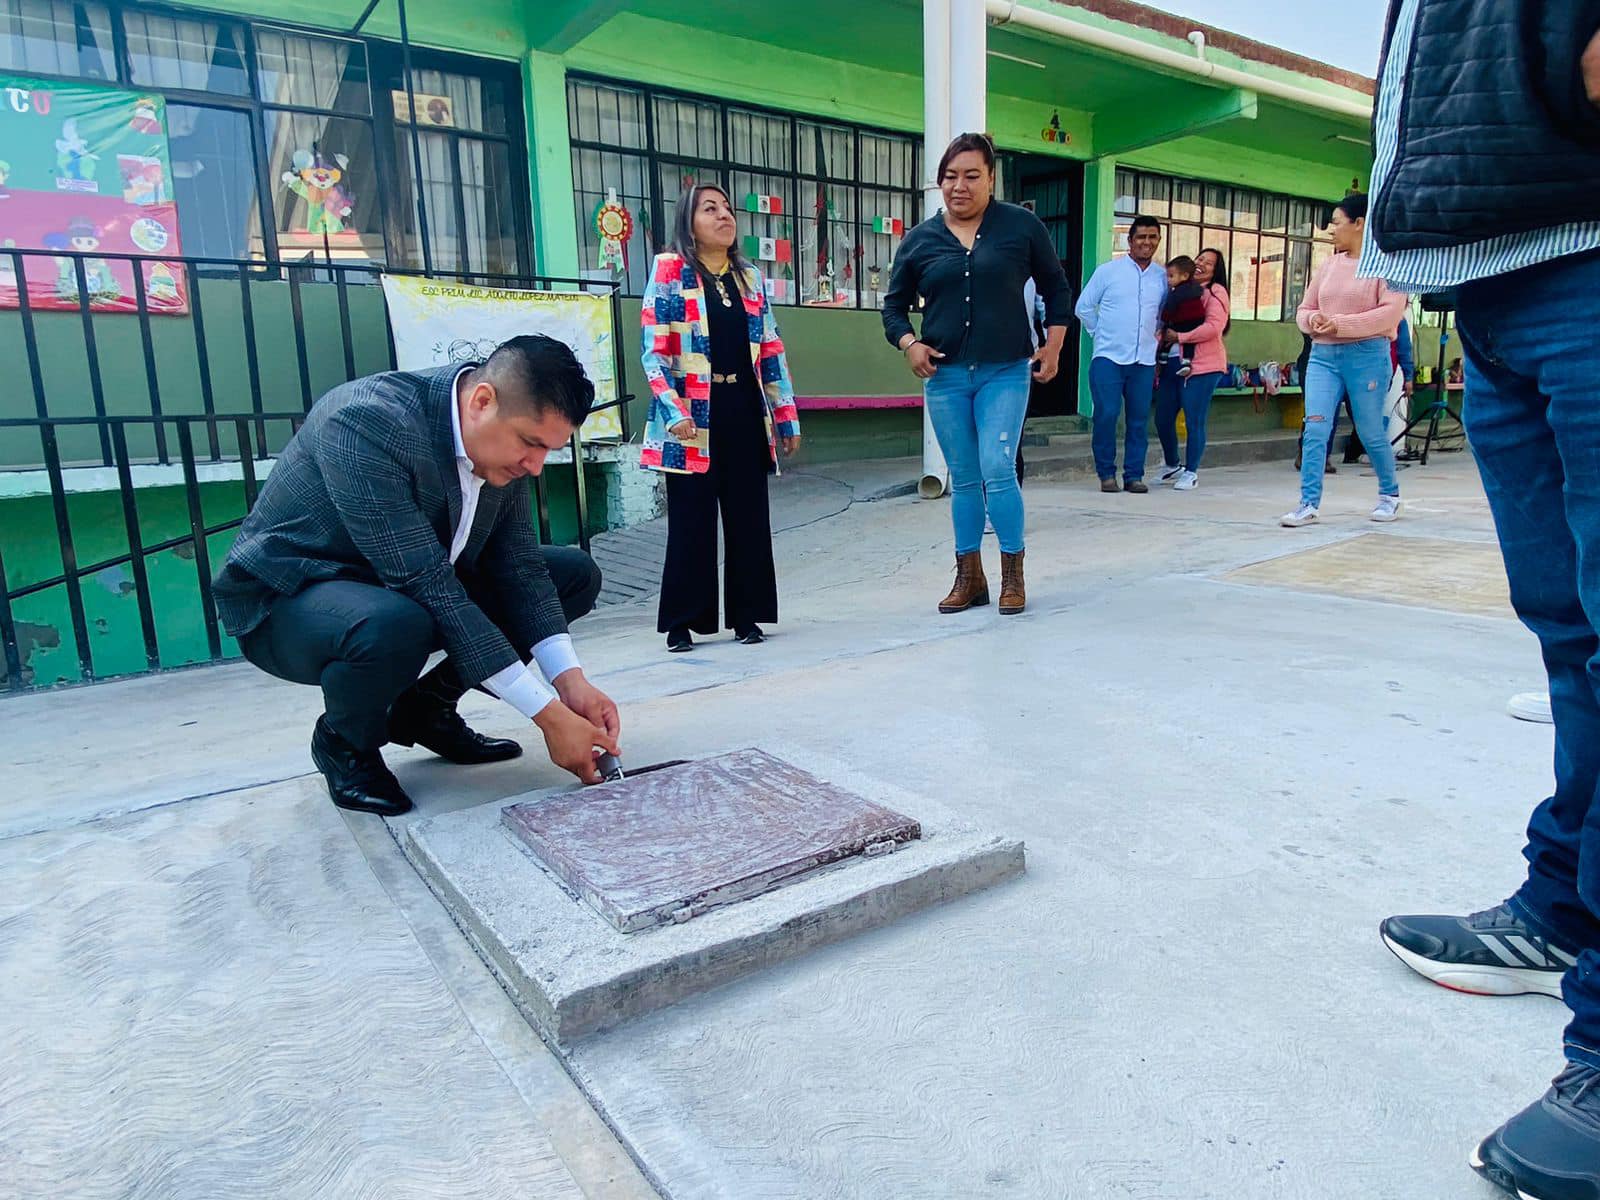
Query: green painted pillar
[
  {"x": 1099, "y": 214},
  {"x": 555, "y": 223}
]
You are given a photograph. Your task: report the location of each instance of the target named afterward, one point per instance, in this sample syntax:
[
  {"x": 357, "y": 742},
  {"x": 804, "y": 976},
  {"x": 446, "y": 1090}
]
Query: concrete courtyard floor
[{"x": 1231, "y": 750}]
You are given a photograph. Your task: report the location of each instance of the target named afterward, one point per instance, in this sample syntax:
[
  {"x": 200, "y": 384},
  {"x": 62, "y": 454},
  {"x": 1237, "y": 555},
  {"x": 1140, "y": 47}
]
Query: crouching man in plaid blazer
[{"x": 394, "y": 525}]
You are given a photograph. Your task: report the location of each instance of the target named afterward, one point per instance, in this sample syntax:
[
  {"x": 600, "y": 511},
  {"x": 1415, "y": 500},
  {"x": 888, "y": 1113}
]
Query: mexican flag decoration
[
  {"x": 765, "y": 249},
  {"x": 757, "y": 203},
  {"x": 893, "y": 226}
]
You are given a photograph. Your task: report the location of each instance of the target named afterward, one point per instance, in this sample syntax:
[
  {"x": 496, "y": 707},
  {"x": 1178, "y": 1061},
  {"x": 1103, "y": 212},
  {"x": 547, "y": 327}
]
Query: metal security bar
[{"x": 237, "y": 443}]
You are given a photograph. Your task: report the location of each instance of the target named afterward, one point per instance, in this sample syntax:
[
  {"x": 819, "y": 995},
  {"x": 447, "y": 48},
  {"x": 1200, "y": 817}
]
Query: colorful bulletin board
[{"x": 86, "y": 168}]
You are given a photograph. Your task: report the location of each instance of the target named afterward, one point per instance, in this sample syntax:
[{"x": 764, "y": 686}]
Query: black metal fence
[{"x": 239, "y": 438}]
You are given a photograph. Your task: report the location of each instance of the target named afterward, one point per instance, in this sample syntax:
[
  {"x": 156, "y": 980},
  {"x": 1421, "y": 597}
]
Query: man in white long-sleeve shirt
[{"x": 1120, "y": 309}]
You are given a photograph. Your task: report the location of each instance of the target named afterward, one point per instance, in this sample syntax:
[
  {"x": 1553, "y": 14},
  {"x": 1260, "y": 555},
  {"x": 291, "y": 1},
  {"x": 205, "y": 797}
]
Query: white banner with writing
[{"x": 437, "y": 322}]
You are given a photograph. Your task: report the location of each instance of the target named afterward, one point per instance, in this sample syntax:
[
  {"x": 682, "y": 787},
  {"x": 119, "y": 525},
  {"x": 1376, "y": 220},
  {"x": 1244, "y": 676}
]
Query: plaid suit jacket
[{"x": 368, "y": 491}]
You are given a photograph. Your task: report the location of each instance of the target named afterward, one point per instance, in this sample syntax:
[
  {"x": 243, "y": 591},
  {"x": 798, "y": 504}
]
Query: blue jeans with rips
[
  {"x": 977, "y": 410},
  {"x": 1360, "y": 371},
  {"x": 1528, "y": 341}
]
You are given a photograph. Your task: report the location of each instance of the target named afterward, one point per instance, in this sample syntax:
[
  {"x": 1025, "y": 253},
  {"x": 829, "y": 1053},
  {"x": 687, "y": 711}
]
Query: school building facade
[{"x": 312, "y": 146}]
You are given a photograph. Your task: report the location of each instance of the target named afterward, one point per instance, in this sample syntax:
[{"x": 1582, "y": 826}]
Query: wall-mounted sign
[
  {"x": 1053, "y": 132},
  {"x": 436, "y": 111},
  {"x": 437, "y": 322},
  {"x": 84, "y": 170}
]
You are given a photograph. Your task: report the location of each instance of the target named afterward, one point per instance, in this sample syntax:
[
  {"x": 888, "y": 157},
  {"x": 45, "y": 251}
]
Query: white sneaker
[
  {"x": 1186, "y": 482},
  {"x": 1169, "y": 475},
  {"x": 1388, "y": 508},
  {"x": 1530, "y": 706},
  {"x": 1304, "y": 515}
]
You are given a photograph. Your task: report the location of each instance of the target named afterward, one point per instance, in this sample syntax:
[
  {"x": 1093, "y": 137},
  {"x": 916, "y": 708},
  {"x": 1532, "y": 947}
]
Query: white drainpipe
[
  {"x": 955, "y": 94},
  {"x": 1173, "y": 62},
  {"x": 935, "y": 137}
]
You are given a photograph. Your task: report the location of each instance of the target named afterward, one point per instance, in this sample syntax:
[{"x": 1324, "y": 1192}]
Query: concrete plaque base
[{"x": 573, "y": 973}]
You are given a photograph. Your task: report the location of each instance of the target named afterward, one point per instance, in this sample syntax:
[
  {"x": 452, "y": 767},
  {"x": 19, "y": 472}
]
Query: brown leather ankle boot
[
  {"x": 971, "y": 588},
  {"x": 1013, "y": 594}
]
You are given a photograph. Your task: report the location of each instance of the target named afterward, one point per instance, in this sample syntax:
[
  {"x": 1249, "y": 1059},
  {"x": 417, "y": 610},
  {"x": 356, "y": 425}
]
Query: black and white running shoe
[
  {"x": 1489, "y": 953},
  {"x": 1551, "y": 1149}
]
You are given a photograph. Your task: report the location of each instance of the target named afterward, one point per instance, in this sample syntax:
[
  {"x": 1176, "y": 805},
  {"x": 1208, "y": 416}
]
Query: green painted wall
[
  {"x": 830, "y": 353},
  {"x": 31, "y": 552},
  {"x": 1323, "y": 174},
  {"x": 65, "y": 366},
  {"x": 840, "y": 436}
]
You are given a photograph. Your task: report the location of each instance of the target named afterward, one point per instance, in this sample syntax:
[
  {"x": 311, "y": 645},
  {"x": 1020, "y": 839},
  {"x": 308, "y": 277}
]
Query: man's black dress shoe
[
  {"x": 750, "y": 635},
  {"x": 357, "y": 779},
  {"x": 679, "y": 641},
  {"x": 414, "y": 721}
]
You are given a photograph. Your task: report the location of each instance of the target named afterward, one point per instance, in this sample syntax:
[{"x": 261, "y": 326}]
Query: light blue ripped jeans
[
  {"x": 977, "y": 410},
  {"x": 1362, "y": 371}
]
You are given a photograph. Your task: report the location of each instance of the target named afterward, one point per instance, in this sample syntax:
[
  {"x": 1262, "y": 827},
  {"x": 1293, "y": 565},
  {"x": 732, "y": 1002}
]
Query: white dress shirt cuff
[
  {"x": 555, "y": 655},
  {"x": 522, "y": 688}
]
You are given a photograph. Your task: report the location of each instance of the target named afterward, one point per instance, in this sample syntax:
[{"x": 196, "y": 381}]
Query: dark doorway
[{"x": 1053, "y": 189}]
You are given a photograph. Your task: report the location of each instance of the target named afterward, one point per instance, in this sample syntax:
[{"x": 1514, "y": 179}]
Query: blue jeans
[
  {"x": 1360, "y": 371},
  {"x": 977, "y": 410},
  {"x": 1193, "y": 396},
  {"x": 1528, "y": 342},
  {"x": 1113, "y": 387}
]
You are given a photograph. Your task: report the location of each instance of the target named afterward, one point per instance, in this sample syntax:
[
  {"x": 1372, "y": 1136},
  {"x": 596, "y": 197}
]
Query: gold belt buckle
[{"x": 734, "y": 378}]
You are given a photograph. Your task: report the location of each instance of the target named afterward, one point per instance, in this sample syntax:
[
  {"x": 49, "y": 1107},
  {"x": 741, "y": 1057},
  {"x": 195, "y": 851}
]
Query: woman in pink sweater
[
  {"x": 1192, "y": 393},
  {"x": 1351, "y": 322}
]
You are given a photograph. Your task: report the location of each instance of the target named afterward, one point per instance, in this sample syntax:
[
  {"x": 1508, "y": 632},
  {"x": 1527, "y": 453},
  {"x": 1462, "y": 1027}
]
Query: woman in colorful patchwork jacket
[{"x": 721, "y": 401}]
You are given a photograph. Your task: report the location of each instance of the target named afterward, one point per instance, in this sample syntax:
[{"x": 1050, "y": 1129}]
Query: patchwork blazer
[{"x": 676, "y": 353}]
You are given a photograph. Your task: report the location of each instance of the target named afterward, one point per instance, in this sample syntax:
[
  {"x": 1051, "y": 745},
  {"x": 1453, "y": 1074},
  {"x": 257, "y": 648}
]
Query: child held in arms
[{"x": 1185, "y": 309}]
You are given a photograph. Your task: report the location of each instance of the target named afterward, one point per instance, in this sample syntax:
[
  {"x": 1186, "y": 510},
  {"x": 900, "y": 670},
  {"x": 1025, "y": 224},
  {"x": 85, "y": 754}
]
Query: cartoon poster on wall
[
  {"x": 437, "y": 321},
  {"x": 85, "y": 169}
]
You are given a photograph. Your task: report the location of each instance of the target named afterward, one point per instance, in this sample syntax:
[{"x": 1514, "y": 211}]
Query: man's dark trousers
[{"x": 365, "y": 644}]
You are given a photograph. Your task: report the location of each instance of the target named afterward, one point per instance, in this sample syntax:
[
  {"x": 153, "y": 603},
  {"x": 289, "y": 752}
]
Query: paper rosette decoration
[{"x": 614, "y": 223}]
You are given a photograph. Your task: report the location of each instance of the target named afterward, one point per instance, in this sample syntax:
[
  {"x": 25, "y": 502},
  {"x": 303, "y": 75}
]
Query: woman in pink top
[
  {"x": 1193, "y": 393},
  {"x": 1351, "y": 322}
]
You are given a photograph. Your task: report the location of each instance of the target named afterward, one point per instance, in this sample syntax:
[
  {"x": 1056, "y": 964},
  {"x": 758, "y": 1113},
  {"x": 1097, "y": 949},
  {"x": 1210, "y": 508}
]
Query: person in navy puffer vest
[{"x": 1486, "y": 184}]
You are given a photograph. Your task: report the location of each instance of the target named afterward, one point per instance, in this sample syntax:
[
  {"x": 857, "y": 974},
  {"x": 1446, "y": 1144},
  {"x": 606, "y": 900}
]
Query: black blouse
[
  {"x": 974, "y": 310},
  {"x": 728, "y": 326}
]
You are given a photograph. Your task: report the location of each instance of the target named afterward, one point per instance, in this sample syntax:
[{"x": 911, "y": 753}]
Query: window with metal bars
[
  {"x": 1272, "y": 242},
  {"x": 823, "y": 206},
  {"x": 252, "y": 107}
]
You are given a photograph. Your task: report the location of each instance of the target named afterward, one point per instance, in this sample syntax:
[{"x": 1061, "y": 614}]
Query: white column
[
  {"x": 969, "y": 67},
  {"x": 935, "y": 137}
]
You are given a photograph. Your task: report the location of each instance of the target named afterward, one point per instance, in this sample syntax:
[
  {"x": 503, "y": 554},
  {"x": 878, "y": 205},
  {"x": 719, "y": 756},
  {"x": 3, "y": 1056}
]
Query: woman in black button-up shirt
[{"x": 975, "y": 353}]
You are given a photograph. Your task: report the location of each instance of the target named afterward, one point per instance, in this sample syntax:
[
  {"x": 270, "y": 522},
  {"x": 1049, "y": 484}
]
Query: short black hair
[
  {"x": 1144, "y": 222},
  {"x": 1354, "y": 206},
  {"x": 981, "y": 142},
  {"x": 534, "y": 374},
  {"x": 1182, "y": 263}
]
